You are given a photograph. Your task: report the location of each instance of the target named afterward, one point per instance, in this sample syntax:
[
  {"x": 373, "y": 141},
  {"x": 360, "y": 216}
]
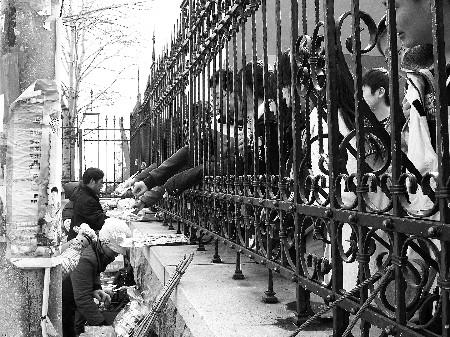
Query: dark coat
[
  {"x": 85, "y": 279},
  {"x": 145, "y": 172},
  {"x": 179, "y": 161},
  {"x": 86, "y": 209}
]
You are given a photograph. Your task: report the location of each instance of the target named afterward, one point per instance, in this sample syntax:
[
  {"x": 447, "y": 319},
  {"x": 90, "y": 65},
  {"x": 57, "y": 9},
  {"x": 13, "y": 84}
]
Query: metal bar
[
  {"x": 399, "y": 238},
  {"x": 442, "y": 150},
  {"x": 375, "y": 316},
  {"x": 361, "y": 149},
  {"x": 340, "y": 317}
]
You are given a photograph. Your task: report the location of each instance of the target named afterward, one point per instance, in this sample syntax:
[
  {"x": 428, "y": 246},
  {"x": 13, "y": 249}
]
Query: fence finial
[{"x": 153, "y": 53}]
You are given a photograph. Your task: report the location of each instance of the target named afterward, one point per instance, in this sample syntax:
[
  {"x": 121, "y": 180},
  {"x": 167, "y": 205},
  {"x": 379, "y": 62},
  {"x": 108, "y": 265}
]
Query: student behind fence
[
  {"x": 414, "y": 27},
  {"x": 182, "y": 160},
  {"x": 187, "y": 177},
  {"x": 283, "y": 70},
  {"x": 177, "y": 177},
  {"x": 346, "y": 123},
  {"x": 190, "y": 177},
  {"x": 266, "y": 123}
]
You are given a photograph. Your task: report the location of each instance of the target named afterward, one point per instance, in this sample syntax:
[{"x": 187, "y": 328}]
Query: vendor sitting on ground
[
  {"x": 86, "y": 202},
  {"x": 83, "y": 285}
]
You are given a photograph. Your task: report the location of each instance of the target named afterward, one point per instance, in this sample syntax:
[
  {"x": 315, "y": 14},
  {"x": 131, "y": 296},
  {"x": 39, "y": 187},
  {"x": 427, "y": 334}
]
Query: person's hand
[
  {"x": 139, "y": 205},
  {"x": 139, "y": 188},
  {"x": 241, "y": 142},
  {"x": 129, "y": 183},
  {"x": 66, "y": 224},
  {"x": 406, "y": 107},
  {"x": 122, "y": 188},
  {"x": 101, "y": 296}
]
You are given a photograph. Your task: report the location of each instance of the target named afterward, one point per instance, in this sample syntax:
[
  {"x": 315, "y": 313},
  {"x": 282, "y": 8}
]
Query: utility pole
[{"x": 27, "y": 61}]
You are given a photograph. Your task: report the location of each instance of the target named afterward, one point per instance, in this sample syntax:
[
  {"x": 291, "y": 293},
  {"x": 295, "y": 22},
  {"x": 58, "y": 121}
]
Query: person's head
[
  {"x": 375, "y": 87},
  {"x": 111, "y": 236},
  {"x": 143, "y": 165},
  {"x": 284, "y": 67},
  {"x": 93, "y": 178},
  {"x": 258, "y": 88},
  {"x": 414, "y": 21},
  {"x": 222, "y": 78}
]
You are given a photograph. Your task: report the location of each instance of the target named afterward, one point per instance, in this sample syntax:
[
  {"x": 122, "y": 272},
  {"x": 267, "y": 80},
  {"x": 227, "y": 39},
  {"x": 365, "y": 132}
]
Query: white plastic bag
[{"x": 129, "y": 317}]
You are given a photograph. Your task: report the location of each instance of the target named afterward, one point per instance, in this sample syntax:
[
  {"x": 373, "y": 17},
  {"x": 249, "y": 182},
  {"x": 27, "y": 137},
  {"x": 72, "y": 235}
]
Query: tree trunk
[
  {"x": 125, "y": 151},
  {"x": 69, "y": 116}
]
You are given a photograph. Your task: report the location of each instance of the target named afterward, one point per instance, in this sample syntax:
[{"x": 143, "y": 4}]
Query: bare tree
[{"x": 99, "y": 36}]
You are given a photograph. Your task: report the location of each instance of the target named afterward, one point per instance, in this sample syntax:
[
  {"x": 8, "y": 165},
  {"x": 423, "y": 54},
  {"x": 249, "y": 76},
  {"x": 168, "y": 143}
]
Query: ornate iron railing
[
  {"x": 99, "y": 143},
  {"x": 323, "y": 193}
]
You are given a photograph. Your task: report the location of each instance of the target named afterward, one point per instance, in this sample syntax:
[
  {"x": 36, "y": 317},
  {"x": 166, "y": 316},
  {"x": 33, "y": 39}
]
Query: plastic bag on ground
[{"x": 129, "y": 317}]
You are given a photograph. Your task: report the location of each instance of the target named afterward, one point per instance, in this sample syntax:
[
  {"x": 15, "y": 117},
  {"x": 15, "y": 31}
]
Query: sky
[
  {"x": 158, "y": 17},
  {"x": 161, "y": 17}
]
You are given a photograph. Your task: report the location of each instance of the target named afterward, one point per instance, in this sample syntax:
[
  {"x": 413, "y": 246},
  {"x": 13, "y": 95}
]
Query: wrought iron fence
[
  {"x": 99, "y": 143},
  {"x": 291, "y": 167}
]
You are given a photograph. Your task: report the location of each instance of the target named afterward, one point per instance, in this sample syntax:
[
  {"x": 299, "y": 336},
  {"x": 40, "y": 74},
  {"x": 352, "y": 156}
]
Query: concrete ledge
[
  {"x": 208, "y": 302},
  {"x": 35, "y": 262}
]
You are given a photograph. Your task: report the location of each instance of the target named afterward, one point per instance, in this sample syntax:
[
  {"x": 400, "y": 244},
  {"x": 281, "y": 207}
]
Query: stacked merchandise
[
  {"x": 133, "y": 313},
  {"x": 69, "y": 257},
  {"x": 123, "y": 188},
  {"x": 108, "y": 204},
  {"x": 134, "y": 321},
  {"x": 161, "y": 239},
  {"x": 125, "y": 211}
]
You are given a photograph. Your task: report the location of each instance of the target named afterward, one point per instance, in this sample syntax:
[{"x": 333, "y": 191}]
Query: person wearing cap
[{"x": 83, "y": 285}]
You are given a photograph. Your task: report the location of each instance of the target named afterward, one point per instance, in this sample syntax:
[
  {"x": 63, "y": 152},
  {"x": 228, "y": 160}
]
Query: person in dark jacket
[
  {"x": 83, "y": 285},
  {"x": 67, "y": 212},
  {"x": 86, "y": 202}
]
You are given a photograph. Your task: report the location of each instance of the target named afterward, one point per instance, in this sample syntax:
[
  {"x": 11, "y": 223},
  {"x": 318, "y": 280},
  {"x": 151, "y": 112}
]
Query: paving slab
[{"x": 213, "y": 304}]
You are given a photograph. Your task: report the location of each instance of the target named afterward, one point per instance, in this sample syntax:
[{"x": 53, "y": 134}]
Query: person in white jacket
[{"x": 414, "y": 28}]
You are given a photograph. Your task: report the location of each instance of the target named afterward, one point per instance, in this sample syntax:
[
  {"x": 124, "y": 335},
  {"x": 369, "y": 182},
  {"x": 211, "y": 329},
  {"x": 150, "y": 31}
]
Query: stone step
[{"x": 208, "y": 302}]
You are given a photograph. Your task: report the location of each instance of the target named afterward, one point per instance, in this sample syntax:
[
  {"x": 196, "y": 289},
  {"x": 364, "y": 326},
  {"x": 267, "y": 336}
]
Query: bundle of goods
[
  {"x": 144, "y": 327},
  {"x": 127, "y": 203},
  {"x": 98, "y": 331},
  {"x": 123, "y": 187},
  {"x": 125, "y": 211},
  {"x": 115, "y": 223},
  {"x": 133, "y": 313},
  {"x": 109, "y": 203},
  {"x": 70, "y": 256},
  {"x": 161, "y": 239},
  {"x": 116, "y": 285},
  {"x": 125, "y": 214}
]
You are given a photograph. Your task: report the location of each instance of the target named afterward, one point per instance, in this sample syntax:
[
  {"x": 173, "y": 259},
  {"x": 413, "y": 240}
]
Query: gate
[
  {"x": 104, "y": 144},
  {"x": 303, "y": 177}
]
